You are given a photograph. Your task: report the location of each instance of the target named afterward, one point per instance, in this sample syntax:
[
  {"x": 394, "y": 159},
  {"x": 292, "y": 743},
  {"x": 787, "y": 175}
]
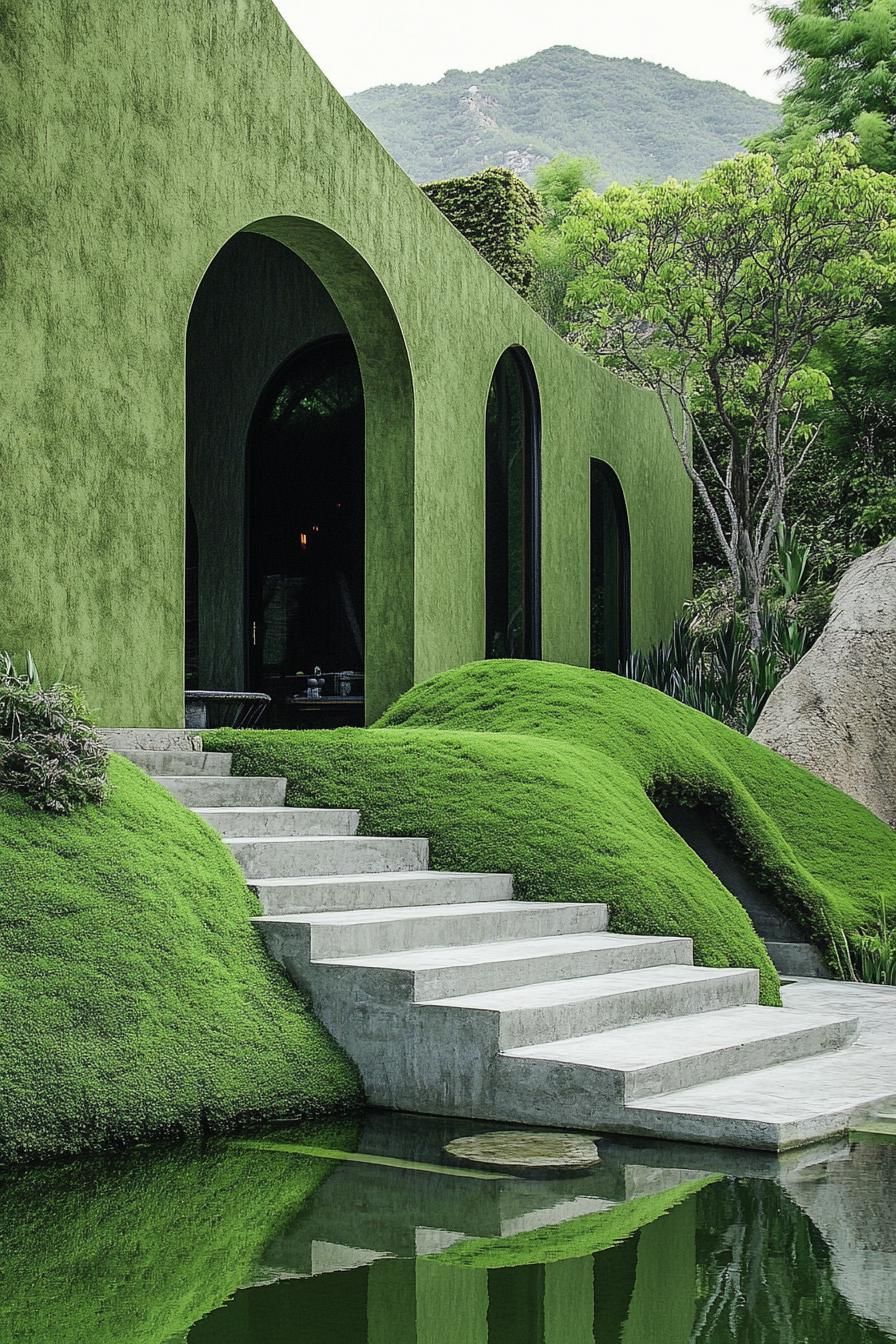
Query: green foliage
[
  {"x": 710, "y": 663},
  {"x": 841, "y": 57},
  {"x": 718, "y": 671},
  {"x": 135, "y": 996},
  {"x": 841, "y": 61},
  {"x": 578, "y": 1237},
  {"x": 49, "y": 752},
  {"x": 869, "y": 955},
  {"x": 717, "y": 295},
  {"x": 548, "y": 771},
  {"x": 640, "y": 121},
  {"x": 557, "y": 184},
  {"x": 136, "y": 1248},
  {"x": 495, "y": 211}
]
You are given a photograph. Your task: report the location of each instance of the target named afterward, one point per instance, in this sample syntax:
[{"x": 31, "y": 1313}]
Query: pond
[{"x": 367, "y": 1232}]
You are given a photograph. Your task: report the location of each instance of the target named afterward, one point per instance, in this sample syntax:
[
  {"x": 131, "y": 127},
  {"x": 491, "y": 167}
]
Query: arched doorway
[
  {"x": 610, "y": 571},
  {"x": 513, "y": 510},
  {"x": 305, "y": 525},
  {"x": 300, "y": 477}
]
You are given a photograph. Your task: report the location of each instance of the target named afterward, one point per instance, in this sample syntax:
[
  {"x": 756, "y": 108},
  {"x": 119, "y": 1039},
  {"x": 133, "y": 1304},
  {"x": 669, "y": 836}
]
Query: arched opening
[
  {"x": 305, "y": 537},
  {"x": 513, "y": 511},
  {"x": 299, "y": 442},
  {"x": 610, "y": 571}
]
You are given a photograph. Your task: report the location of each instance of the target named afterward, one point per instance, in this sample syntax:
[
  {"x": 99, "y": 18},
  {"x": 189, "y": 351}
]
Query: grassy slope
[
  {"x": 136, "y": 1248},
  {"x": 544, "y": 770},
  {"x": 135, "y": 998}
]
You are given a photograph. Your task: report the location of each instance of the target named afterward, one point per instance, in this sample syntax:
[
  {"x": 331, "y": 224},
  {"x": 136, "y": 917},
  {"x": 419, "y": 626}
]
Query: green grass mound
[
  {"x": 549, "y": 771},
  {"x": 137, "y": 1247},
  {"x": 136, "y": 999}
]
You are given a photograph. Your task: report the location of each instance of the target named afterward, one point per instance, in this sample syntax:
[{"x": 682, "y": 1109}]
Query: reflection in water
[{"x": 268, "y": 1244}]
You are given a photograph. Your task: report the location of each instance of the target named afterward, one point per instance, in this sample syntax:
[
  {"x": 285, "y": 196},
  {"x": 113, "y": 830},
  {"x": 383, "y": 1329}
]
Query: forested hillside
[{"x": 640, "y": 121}]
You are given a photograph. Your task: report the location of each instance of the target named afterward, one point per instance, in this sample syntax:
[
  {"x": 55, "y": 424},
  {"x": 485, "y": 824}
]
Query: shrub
[
  {"x": 49, "y": 751},
  {"x": 869, "y": 955},
  {"x": 495, "y": 211},
  {"x": 710, "y": 661}
]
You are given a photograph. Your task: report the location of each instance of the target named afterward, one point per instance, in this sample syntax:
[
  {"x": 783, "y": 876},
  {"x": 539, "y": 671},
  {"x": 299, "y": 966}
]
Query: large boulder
[{"x": 835, "y": 713}]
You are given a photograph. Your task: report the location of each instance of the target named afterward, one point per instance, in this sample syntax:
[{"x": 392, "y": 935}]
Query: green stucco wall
[{"x": 131, "y": 149}]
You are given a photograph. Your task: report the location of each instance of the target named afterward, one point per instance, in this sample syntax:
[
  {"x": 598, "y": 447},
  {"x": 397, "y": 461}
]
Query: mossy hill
[{"x": 551, "y": 773}]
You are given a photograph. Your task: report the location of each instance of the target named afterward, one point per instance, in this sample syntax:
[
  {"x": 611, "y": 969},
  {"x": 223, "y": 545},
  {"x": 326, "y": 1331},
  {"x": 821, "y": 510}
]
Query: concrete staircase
[{"x": 454, "y": 999}]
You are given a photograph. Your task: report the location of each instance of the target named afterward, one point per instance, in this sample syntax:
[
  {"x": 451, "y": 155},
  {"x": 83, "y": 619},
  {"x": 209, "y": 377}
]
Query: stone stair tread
[
  {"x": 179, "y": 763},
  {"x": 645, "y": 1044},
  {"x": 550, "y": 993},
  {"x": 278, "y": 811},
  {"x": 516, "y": 949},
  {"x": 236, "y": 780},
  {"x": 388, "y": 914},
  {"x": 384, "y": 879},
  {"x": 355, "y": 841},
  {"x": 828, "y": 1088}
]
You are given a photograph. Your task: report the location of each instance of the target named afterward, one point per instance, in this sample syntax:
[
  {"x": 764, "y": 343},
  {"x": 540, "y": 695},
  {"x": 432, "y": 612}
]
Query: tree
[
  {"x": 841, "y": 57},
  {"x": 557, "y": 184},
  {"x": 841, "y": 63},
  {"x": 716, "y": 294}
]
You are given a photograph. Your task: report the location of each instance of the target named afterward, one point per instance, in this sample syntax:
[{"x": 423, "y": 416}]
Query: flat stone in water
[{"x": 525, "y": 1151}]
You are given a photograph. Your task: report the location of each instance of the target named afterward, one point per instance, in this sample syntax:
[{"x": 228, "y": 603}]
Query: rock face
[{"x": 835, "y": 713}]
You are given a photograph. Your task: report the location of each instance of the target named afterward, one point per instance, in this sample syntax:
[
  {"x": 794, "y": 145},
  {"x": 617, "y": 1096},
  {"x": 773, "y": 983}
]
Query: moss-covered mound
[
  {"x": 549, "y": 771},
  {"x": 136, "y": 1000}
]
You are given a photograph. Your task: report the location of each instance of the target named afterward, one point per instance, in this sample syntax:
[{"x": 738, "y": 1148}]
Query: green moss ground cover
[
  {"x": 135, "y": 1248},
  {"x": 136, "y": 1000},
  {"x": 548, "y": 771}
]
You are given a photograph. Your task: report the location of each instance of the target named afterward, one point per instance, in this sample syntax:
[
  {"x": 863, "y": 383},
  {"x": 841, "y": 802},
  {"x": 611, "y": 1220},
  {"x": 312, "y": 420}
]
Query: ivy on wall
[{"x": 495, "y": 211}]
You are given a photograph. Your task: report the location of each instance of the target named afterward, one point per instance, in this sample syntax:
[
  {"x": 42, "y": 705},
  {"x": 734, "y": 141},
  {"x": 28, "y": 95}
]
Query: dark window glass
[
  {"x": 306, "y": 520},
  {"x": 610, "y": 570},
  {"x": 513, "y": 510},
  {"x": 191, "y": 601}
]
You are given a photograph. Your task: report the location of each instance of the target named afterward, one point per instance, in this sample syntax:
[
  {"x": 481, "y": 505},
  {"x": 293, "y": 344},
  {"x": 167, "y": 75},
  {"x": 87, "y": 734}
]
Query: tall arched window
[
  {"x": 305, "y": 516},
  {"x": 610, "y": 571},
  {"x": 513, "y": 511}
]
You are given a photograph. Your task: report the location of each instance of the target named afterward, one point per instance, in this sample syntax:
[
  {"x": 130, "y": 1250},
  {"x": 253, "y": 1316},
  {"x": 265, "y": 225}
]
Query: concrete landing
[{"x": 802, "y": 1101}]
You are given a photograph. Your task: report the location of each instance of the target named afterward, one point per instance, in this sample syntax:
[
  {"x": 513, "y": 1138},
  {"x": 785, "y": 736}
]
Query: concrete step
[
  {"x": 358, "y": 933},
  {"x": 377, "y": 891},
  {"x": 443, "y": 972},
  {"x": 321, "y": 856},
  {"x": 279, "y": 821},
  {"x": 555, "y": 1010},
  {"x": 654, "y": 1057},
  {"x": 784, "y": 1106},
  {"x": 225, "y": 790},
  {"x": 181, "y": 762},
  {"x": 149, "y": 739}
]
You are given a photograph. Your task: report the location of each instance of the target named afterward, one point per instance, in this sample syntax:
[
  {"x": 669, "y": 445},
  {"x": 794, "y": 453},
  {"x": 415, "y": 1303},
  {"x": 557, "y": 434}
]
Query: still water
[{"x": 367, "y": 1233}]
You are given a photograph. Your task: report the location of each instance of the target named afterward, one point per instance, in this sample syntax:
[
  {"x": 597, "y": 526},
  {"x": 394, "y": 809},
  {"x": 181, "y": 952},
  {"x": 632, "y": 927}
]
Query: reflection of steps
[
  {"x": 455, "y": 999},
  {"x": 362, "y": 1213}
]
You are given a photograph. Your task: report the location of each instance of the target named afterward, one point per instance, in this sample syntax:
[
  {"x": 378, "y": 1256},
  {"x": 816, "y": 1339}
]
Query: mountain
[{"x": 640, "y": 121}]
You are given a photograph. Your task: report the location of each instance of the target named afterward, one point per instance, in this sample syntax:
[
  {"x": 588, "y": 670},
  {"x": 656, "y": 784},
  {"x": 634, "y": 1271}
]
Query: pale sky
[{"x": 359, "y": 43}]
